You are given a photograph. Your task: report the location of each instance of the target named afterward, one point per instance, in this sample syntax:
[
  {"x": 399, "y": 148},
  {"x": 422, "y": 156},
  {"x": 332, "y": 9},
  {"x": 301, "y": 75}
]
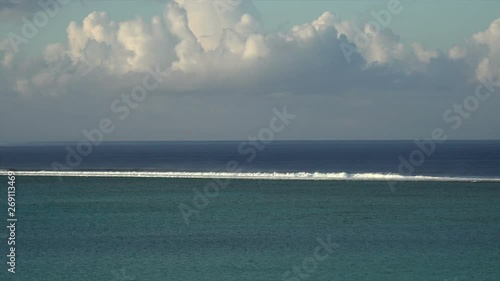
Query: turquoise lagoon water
[{"x": 132, "y": 229}]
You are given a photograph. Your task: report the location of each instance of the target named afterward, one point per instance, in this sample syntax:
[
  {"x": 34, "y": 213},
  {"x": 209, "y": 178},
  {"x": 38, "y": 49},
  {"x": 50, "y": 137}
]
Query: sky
[{"x": 219, "y": 69}]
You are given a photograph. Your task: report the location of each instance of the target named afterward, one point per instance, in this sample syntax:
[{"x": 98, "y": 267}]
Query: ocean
[{"x": 329, "y": 210}]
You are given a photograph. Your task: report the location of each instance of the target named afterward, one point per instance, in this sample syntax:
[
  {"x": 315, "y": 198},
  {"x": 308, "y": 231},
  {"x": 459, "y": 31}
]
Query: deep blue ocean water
[
  {"x": 453, "y": 158},
  {"x": 121, "y": 228}
]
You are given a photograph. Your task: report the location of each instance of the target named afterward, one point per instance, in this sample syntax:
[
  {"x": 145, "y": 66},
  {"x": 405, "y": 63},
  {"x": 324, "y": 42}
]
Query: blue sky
[
  {"x": 434, "y": 23},
  {"x": 225, "y": 71},
  {"x": 438, "y": 24}
]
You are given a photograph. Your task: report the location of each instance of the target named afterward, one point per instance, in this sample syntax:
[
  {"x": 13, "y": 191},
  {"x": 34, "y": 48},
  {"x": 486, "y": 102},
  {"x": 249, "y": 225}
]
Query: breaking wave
[{"x": 254, "y": 176}]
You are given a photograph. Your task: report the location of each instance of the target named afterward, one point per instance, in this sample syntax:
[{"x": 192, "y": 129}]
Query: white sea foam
[{"x": 254, "y": 176}]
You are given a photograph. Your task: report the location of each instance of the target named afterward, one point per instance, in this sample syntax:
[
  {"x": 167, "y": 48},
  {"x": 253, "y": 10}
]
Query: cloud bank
[{"x": 222, "y": 69}]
